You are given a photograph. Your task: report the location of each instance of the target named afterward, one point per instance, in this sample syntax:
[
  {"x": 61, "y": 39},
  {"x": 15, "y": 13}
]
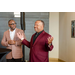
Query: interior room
[{"x": 57, "y": 24}]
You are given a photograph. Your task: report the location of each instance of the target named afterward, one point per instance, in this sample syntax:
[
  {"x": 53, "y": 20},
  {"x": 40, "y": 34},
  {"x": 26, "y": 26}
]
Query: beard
[{"x": 12, "y": 28}]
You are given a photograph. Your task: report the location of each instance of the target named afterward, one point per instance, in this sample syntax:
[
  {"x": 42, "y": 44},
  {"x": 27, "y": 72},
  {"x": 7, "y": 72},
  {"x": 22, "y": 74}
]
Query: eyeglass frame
[{"x": 13, "y": 24}]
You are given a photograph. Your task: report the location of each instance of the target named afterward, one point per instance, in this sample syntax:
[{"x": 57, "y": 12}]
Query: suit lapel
[
  {"x": 15, "y": 34},
  {"x": 9, "y": 35},
  {"x": 32, "y": 40},
  {"x": 38, "y": 38}
]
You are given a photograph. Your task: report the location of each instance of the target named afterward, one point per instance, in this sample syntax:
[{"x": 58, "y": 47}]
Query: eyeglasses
[{"x": 13, "y": 24}]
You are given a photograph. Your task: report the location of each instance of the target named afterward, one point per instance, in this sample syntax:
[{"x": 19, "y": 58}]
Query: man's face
[
  {"x": 12, "y": 24},
  {"x": 38, "y": 26}
]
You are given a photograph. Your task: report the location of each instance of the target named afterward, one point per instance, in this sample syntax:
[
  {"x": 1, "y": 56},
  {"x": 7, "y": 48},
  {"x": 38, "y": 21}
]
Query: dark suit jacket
[{"x": 39, "y": 50}]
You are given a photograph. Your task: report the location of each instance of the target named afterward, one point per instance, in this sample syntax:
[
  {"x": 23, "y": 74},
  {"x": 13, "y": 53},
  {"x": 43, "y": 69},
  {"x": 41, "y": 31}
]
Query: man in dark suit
[{"x": 40, "y": 44}]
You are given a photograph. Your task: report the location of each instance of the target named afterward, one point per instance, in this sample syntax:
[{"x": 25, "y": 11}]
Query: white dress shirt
[{"x": 12, "y": 33}]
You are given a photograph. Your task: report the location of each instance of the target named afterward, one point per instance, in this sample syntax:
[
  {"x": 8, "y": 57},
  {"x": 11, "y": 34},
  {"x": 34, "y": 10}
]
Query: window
[{"x": 16, "y": 14}]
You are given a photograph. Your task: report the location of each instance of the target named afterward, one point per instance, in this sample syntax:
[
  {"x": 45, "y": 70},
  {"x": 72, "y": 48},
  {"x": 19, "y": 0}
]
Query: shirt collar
[{"x": 40, "y": 32}]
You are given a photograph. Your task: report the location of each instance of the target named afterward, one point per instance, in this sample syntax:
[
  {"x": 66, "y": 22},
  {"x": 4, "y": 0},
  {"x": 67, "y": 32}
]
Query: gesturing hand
[
  {"x": 20, "y": 36},
  {"x": 50, "y": 39}
]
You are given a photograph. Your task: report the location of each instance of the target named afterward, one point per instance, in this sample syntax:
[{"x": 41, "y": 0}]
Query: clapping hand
[{"x": 11, "y": 42}]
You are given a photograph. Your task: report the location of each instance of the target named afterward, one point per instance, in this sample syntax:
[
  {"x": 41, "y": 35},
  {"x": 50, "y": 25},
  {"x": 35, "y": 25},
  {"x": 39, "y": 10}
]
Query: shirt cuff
[
  {"x": 49, "y": 45},
  {"x": 22, "y": 38},
  {"x": 8, "y": 45}
]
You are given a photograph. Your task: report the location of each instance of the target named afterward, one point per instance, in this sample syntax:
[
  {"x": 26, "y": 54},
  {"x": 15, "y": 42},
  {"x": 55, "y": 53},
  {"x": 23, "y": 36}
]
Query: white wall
[
  {"x": 60, "y": 29},
  {"x": 54, "y": 31},
  {"x": 66, "y": 43}
]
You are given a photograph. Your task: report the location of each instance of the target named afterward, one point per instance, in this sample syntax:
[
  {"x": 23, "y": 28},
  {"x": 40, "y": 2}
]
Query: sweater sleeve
[{"x": 27, "y": 43}]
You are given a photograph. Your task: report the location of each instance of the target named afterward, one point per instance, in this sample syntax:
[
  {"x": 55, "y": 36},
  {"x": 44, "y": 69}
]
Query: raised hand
[
  {"x": 50, "y": 39},
  {"x": 20, "y": 36}
]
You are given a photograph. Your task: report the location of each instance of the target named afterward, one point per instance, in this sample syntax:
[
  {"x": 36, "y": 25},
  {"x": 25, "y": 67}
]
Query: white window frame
[{"x": 16, "y": 14}]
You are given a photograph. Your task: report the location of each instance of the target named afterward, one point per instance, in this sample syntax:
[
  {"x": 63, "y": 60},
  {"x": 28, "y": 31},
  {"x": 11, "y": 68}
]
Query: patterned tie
[{"x": 36, "y": 34}]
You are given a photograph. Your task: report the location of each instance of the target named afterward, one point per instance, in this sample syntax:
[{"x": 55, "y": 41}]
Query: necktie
[{"x": 36, "y": 34}]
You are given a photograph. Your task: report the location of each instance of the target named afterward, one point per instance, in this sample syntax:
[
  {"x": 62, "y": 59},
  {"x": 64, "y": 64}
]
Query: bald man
[
  {"x": 40, "y": 44},
  {"x": 11, "y": 41}
]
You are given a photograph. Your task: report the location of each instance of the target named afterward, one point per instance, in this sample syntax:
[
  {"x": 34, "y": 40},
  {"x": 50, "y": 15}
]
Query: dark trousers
[{"x": 14, "y": 60}]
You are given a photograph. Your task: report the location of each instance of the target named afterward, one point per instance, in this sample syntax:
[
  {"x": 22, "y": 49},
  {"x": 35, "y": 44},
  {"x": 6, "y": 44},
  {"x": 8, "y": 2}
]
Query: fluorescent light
[{"x": 16, "y": 14}]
